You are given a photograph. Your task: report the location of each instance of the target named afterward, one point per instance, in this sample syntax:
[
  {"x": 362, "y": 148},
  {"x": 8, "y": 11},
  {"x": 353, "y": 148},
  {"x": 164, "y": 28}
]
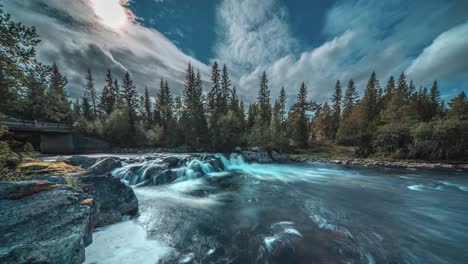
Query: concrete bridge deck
[{"x": 36, "y": 126}]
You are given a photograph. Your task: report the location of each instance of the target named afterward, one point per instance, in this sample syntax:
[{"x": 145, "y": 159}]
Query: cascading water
[
  {"x": 158, "y": 172},
  {"x": 218, "y": 209}
]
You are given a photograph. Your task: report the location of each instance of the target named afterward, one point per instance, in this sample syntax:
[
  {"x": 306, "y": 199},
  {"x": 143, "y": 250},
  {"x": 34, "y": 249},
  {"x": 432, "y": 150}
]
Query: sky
[{"x": 317, "y": 42}]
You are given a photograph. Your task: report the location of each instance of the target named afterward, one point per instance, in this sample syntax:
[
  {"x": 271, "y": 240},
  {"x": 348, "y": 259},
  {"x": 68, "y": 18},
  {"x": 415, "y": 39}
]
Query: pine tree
[
  {"x": 223, "y": 96},
  {"x": 58, "y": 104},
  {"x": 215, "y": 89},
  {"x": 130, "y": 99},
  {"x": 76, "y": 110},
  {"x": 36, "y": 101},
  {"x": 370, "y": 101},
  {"x": 86, "y": 108},
  {"x": 299, "y": 120},
  {"x": 336, "y": 116},
  {"x": 282, "y": 108},
  {"x": 434, "y": 99},
  {"x": 148, "y": 111},
  {"x": 116, "y": 95},
  {"x": 389, "y": 90},
  {"x": 90, "y": 93},
  {"x": 350, "y": 98},
  {"x": 459, "y": 107},
  {"x": 107, "y": 99},
  {"x": 234, "y": 102},
  {"x": 263, "y": 101}
]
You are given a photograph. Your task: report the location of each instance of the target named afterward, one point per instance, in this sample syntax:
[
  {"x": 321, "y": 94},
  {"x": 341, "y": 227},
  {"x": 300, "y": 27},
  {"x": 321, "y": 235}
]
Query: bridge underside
[{"x": 57, "y": 143}]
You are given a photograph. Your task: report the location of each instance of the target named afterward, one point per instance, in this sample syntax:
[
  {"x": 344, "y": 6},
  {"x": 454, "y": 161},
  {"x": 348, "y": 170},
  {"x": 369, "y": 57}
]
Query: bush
[
  {"x": 28, "y": 148},
  {"x": 392, "y": 140}
]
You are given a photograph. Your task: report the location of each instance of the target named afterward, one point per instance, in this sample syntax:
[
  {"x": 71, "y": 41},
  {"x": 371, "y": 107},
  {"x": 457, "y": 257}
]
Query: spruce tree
[
  {"x": 148, "y": 111},
  {"x": 434, "y": 99},
  {"x": 389, "y": 90},
  {"x": 215, "y": 89},
  {"x": 298, "y": 118},
  {"x": 370, "y": 101},
  {"x": 223, "y": 96},
  {"x": 234, "y": 101},
  {"x": 336, "y": 116},
  {"x": 263, "y": 101},
  {"x": 350, "y": 98},
  {"x": 107, "y": 99},
  {"x": 58, "y": 104},
  {"x": 90, "y": 93},
  {"x": 130, "y": 99},
  {"x": 86, "y": 108}
]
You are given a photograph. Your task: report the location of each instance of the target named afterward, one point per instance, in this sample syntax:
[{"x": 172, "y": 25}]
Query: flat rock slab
[{"x": 44, "y": 223}]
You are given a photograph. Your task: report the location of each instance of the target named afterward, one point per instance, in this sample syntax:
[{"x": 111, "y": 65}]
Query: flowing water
[{"x": 294, "y": 213}]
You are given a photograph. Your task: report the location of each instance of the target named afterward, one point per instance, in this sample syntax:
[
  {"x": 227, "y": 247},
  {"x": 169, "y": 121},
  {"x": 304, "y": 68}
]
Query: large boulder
[
  {"x": 111, "y": 197},
  {"x": 257, "y": 156},
  {"x": 82, "y": 161},
  {"x": 104, "y": 166},
  {"x": 44, "y": 223}
]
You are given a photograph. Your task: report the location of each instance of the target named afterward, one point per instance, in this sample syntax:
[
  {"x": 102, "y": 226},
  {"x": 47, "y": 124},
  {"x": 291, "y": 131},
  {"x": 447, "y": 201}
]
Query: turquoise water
[{"x": 301, "y": 213}]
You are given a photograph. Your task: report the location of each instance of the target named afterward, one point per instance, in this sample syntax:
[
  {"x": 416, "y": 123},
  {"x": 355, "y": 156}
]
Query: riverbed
[{"x": 295, "y": 213}]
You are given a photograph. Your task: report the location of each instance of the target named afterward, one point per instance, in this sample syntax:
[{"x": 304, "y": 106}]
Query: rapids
[{"x": 289, "y": 213}]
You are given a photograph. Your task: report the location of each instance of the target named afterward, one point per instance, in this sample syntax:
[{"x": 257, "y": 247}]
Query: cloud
[
  {"x": 363, "y": 36},
  {"x": 75, "y": 37},
  {"x": 444, "y": 57},
  {"x": 252, "y": 33}
]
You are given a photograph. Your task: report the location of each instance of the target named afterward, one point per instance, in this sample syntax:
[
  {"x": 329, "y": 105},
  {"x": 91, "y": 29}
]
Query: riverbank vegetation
[{"x": 394, "y": 118}]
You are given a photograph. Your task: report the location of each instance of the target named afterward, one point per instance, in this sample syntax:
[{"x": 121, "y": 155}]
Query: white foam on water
[
  {"x": 124, "y": 243},
  {"x": 451, "y": 184}
]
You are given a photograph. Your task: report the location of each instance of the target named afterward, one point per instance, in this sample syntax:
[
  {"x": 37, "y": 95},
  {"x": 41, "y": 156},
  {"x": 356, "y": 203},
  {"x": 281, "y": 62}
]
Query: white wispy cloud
[
  {"x": 73, "y": 36},
  {"x": 363, "y": 36}
]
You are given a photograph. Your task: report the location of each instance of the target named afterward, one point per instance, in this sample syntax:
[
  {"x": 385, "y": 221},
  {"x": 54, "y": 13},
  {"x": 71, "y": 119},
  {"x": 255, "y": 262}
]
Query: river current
[{"x": 295, "y": 213}]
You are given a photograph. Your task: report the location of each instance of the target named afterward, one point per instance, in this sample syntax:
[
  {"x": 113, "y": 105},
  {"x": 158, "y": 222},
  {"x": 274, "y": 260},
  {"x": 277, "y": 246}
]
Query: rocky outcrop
[
  {"x": 44, "y": 223},
  {"x": 83, "y": 161},
  {"x": 111, "y": 197},
  {"x": 257, "y": 156},
  {"x": 104, "y": 166}
]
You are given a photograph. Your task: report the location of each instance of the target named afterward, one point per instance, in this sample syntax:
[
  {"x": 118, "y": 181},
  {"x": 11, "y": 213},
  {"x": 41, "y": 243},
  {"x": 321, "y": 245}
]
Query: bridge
[{"x": 54, "y": 138}]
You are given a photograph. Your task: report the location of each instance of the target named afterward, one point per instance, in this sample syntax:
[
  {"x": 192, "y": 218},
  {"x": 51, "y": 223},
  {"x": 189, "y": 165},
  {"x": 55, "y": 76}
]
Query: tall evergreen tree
[
  {"x": 370, "y": 101},
  {"x": 435, "y": 99},
  {"x": 86, "y": 108},
  {"x": 234, "y": 101},
  {"x": 350, "y": 98},
  {"x": 215, "y": 89},
  {"x": 130, "y": 98},
  {"x": 299, "y": 119},
  {"x": 336, "y": 116},
  {"x": 58, "y": 104},
  {"x": 263, "y": 101},
  {"x": 148, "y": 110},
  {"x": 389, "y": 90},
  {"x": 90, "y": 93},
  {"x": 223, "y": 96},
  {"x": 107, "y": 98}
]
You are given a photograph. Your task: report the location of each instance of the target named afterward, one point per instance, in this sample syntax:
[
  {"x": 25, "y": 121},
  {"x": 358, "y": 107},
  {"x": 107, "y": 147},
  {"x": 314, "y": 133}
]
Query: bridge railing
[{"x": 29, "y": 124}]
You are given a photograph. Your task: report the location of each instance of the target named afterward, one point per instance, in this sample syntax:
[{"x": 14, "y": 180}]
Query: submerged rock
[
  {"x": 111, "y": 197},
  {"x": 44, "y": 223},
  {"x": 279, "y": 157}
]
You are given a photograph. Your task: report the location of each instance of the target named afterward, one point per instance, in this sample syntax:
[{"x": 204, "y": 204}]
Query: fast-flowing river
[{"x": 301, "y": 213}]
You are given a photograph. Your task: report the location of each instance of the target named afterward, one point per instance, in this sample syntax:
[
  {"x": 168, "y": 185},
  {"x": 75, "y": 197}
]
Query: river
[{"x": 295, "y": 213}]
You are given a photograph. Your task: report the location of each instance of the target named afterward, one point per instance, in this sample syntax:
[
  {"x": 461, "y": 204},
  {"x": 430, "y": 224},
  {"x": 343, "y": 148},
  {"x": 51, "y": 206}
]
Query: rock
[
  {"x": 104, "y": 166},
  {"x": 165, "y": 177},
  {"x": 43, "y": 223},
  {"x": 279, "y": 157},
  {"x": 51, "y": 178},
  {"x": 83, "y": 161},
  {"x": 237, "y": 149},
  {"x": 257, "y": 157},
  {"x": 172, "y": 162},
  {"x": 111, "y": 197}
]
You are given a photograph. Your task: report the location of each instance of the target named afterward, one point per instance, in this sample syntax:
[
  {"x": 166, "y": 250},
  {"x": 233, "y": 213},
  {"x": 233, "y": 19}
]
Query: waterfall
[{"x": 159, "y": 171}]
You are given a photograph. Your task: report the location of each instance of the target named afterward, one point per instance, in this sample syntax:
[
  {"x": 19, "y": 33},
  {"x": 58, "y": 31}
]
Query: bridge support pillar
[{"x": 57, "y": 143}]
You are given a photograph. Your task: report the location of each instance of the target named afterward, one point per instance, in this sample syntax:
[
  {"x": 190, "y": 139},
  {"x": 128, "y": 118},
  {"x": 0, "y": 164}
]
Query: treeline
[{"x": 396, "y": 120}]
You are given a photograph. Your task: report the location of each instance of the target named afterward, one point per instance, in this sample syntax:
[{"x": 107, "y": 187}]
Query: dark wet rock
[
  {"x": 82, "y": 161},
  {"x": 44, "y": 223},
  {"x": 172, "y": 162},
  {"x": 112, "y": 198},
  {"x": 279, "y": 157},
  {"x": 237, "y": 149},
  {"x": 18, "y": 190},
  {"x": 165, "y": 177},
  {"x": 257, "y": 156},
  {"x": 51, "y": 178},
  {"x": 104, "y": 166}
]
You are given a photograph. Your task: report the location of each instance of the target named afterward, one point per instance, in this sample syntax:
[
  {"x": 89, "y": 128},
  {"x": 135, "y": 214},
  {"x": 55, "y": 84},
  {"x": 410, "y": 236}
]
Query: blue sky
[{"x": 292, "y": 40}]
